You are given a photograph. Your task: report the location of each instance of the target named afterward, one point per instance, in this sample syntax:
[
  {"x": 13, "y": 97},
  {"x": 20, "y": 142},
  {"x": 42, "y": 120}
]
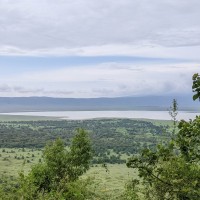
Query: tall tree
[
  {"x": 196, "y": 86},
  {"x": 172, "y": 171},
  {"x": 59, "y": 172},
  {"x": 173, "y": 112}
]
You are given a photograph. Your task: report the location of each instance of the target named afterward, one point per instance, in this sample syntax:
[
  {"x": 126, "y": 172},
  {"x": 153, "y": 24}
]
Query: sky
[{"x": 92, "y": 48}]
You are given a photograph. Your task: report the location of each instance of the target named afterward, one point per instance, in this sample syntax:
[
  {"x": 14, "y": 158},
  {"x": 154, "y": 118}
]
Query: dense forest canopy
[{"x": 121, "y": 136}]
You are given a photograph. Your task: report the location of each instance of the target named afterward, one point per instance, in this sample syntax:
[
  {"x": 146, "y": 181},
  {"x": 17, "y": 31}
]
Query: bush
[{"x": 58, "y": 176}]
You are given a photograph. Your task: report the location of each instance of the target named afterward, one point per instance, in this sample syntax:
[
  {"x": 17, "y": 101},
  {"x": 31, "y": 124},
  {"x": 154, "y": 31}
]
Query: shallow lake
[{"x": 81, "y": 115}]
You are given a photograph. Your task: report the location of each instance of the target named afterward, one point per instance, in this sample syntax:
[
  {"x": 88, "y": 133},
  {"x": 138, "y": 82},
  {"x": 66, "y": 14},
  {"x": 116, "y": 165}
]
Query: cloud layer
[
  {"x": 108, "y": 80},
  {"x": 97, "y": 30},
  {"x": 66, "y": 27}
]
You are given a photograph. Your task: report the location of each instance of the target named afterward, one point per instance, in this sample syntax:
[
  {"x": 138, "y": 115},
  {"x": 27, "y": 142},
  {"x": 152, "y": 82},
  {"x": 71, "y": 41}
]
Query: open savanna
[
  {"x": 113, "y": 141},
  {"x": 107, "y": 182}
]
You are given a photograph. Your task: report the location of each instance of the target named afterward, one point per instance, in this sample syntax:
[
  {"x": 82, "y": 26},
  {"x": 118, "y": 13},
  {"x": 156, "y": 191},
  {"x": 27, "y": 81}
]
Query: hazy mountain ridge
[{"x": 14, "y": 104}]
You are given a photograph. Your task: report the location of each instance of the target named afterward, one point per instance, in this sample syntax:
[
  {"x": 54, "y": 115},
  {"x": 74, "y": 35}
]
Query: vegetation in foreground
[
  {"x": 57, "y": 177},
  {"x": 113, "y": 141},
  {"x": 169, "y": 172}
]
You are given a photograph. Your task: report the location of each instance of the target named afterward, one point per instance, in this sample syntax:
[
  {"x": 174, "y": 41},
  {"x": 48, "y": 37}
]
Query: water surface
[{"x": 81, "y": 115}]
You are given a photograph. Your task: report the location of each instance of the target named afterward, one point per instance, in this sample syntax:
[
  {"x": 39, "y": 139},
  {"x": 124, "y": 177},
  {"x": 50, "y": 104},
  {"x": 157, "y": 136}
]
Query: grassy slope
[{"x": 107, "y": 184}]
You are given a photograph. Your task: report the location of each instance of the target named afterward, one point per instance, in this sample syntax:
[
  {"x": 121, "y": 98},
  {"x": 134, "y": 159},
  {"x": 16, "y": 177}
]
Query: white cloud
[
  {"x": 190, "y": 53},
  {"x": 46, "y": 27},
  {"x": 143, "y": 28},
  {"x": 109, "y": 80}
]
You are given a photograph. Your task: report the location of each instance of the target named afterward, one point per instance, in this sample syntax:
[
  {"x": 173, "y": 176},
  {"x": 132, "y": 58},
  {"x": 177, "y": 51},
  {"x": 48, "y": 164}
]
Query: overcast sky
[{"x": 92, "y": 48}]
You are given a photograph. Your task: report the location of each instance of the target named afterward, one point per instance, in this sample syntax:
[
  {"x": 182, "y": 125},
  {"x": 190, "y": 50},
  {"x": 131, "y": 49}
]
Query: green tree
[
  {"x": 172, "y": 171},
  {"x": 173, "y": 112},
  {"x": 80, "y": 154},
  {"x": 196, "y": 86},
  {"x": 57, "y": 177}
]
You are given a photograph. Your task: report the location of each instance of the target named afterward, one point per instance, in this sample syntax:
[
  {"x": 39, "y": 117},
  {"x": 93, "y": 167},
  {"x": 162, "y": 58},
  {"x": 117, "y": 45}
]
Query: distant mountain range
[{"x": 17, "y": 104}]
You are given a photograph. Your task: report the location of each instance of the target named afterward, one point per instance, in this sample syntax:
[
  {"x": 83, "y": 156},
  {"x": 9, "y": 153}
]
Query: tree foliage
[
  {"x": 173, "y": 171},
  {"x": 58, "y": 176},
  {"x": 173, "y": 112},
  {"x": 196, "y": 86},
  {"x": 121, "y": 136}
]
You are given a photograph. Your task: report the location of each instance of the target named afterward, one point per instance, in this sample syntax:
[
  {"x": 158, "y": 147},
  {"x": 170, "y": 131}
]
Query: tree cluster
[
  {"x": 58, "y": 176},
  {"x": 171, "y": 172}
]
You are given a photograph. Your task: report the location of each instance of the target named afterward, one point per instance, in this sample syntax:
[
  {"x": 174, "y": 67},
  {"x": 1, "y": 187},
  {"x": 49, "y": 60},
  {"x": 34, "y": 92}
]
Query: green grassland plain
[{"x": 109, "y": 182}]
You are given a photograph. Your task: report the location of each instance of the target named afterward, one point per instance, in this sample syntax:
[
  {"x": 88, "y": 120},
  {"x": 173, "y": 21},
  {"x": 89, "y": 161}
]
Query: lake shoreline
[{"x": 87, "y": 115}]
